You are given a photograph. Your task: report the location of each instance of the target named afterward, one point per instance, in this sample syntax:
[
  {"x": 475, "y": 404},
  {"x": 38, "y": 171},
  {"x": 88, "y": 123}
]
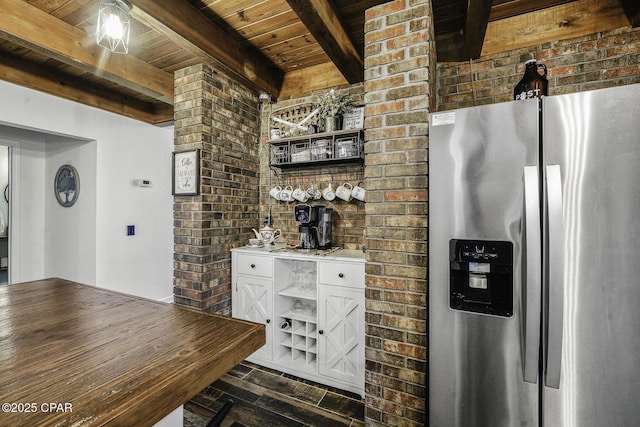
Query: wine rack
[{"x": 298, "y": 333}]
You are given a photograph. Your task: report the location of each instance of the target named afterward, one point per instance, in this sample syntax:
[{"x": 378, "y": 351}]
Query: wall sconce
[{"x": 113, "y": 25}]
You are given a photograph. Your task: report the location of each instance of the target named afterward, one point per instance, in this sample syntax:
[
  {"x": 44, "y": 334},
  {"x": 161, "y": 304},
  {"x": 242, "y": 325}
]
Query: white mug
[
  {"x": 328, "y": 193},
  {"x": 358, "y": 192},
  {"x": 286, "y": 195},
  {"x": 275, "y": 192},
  {"x": 275, "y": 133},
  {"x": 300, "y": 195},
  {"x": 344, "y": 192},
  {"x": 314, "y": 193}
]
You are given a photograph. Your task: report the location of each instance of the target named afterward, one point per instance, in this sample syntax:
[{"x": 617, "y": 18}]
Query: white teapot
[{"x": 267, "y": 235}]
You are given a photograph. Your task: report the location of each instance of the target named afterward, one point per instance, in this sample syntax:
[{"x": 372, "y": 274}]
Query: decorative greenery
[{"x": 333, "y": 104}]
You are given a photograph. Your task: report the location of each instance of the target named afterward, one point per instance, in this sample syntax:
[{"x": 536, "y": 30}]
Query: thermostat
[{"x": 143, "y": 183}]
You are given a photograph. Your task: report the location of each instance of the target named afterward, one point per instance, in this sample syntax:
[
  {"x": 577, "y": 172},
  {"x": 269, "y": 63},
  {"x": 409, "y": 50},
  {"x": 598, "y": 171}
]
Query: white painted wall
[
  {"x": 110, "y": 152},
  {"x": 70, "y": 233}
]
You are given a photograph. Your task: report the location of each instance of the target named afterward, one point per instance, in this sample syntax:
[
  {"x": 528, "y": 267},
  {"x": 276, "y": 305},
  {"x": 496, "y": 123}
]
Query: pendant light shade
[{"x": 113, "y": 25}]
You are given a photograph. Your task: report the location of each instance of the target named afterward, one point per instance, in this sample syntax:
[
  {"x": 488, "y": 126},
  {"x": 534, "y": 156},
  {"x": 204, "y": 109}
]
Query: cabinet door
[
  {"x": 253, "y": 300},
  {"x": 341, "y": 334}
]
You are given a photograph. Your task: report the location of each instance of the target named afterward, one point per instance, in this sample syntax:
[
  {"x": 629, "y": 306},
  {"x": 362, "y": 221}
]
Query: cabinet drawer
[
  {"x": 255, "y": 265},
  {"x": 346, "y": 274}
]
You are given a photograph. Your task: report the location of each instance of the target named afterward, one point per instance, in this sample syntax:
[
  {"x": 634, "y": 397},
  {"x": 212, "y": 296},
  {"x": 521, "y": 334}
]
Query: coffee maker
[{"x": 315, "y": 226}]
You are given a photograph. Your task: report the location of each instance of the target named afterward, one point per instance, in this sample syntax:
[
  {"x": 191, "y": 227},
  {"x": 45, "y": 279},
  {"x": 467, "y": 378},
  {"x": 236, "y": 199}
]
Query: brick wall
[
  {"x": 594, "y": 61},
  {"x": 221, "y": 118},
  {"x": 398, "y": 59},
  {"x": 349, "y": 217},
  {"x": 214, "y": 114},
  {"x": 397, "y": 100}
]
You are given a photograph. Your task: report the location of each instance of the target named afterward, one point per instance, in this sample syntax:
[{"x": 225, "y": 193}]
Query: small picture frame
[
  {"x": 186, "y": 173},
  {"x": 354, "y": 119},
  {"x": 66, "y": 186}
]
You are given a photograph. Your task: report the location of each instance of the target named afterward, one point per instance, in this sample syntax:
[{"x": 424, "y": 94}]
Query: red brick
[
  {"x": 385, "y": 9},
  {"x": 385, "y": 33}
]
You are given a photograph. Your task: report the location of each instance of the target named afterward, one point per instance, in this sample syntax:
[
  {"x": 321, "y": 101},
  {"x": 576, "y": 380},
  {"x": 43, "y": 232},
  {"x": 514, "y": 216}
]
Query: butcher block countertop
[{"x": 77, "y": 355}]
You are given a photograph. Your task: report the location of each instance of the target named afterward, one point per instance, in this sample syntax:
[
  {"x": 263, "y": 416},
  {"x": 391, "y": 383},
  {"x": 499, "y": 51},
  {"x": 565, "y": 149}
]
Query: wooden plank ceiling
[{"x": 282, "y": 47}]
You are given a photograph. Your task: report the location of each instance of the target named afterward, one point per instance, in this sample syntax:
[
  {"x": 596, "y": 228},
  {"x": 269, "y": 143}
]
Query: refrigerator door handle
[
  {"x": 555, "y": 285},
  {"x": 533, "y": 273}
]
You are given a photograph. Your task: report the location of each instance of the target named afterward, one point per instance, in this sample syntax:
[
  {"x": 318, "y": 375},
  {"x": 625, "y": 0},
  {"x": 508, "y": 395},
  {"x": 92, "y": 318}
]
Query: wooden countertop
[{"x": 102, "y": 357}]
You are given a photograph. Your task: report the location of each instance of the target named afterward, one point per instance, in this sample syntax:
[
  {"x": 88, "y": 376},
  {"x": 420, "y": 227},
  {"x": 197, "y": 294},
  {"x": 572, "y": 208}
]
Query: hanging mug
[
  {"x": 328, "y": 193},
  {"x": 314, "y": 193},
  {"x": 300, "y": 195},
  {"x": 275, "y": 192},
  {"x": 286, "y": 195},
  {"x": 358, "y": 192},
  {"x": 344, "y": 192}
]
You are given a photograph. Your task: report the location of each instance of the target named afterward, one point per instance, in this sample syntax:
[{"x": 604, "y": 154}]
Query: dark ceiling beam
[
  {"x": 515, "y": 8},
  {"x": 475, "y": 28},
  {"x": 467, "y": 43},
  {"x": 31, "y": 28},
  {"x": 632, "y": 10},
  {"x": 183, "y": 24},
  {"x": 323, "y": 23}
]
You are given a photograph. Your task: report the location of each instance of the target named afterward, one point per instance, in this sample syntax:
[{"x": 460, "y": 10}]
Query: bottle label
[{"x": 531, "y": 93}]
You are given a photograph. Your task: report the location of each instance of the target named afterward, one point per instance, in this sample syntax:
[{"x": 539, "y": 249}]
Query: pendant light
[{"x": 113, "y": 25}]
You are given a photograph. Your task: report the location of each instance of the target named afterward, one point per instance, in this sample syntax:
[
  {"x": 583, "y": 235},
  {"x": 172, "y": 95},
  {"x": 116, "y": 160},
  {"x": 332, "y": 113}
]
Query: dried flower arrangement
[{"x": 332, "y": 104}]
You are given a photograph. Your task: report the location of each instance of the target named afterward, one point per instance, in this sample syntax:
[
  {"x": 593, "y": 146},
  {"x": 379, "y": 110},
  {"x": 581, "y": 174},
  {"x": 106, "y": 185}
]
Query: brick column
[
  {"x": 221, "y": 118},
  {"x": 399, "y": 58}
]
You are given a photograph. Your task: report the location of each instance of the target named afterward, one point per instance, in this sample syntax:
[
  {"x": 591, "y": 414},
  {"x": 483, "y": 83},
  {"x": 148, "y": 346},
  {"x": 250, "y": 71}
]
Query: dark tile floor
[{"x": 267, "y": 398}]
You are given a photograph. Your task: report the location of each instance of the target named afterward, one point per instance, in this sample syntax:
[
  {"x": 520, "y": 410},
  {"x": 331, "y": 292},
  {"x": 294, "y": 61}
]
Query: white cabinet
[
  {"x": 252, "y": 295},
  {"x": 341, "y": 322},
  {"x": 313, "y": 307},
  {"x": 340, "y": 273}
]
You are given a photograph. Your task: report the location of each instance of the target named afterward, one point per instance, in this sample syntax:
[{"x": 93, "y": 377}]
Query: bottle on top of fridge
[{"x": 533, "y": 83}]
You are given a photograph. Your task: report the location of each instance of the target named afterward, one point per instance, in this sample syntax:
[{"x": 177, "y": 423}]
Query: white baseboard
[{"x": 168, "y": 299}]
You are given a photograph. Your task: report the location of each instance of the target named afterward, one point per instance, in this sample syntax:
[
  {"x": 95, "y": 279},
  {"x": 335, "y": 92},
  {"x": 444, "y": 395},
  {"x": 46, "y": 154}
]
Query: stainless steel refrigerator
[{"x": 534, "y": 262}]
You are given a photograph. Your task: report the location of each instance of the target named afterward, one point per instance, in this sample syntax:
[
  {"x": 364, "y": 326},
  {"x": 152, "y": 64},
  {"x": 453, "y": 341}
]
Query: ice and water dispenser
[{"x": 481, "y": 276}]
